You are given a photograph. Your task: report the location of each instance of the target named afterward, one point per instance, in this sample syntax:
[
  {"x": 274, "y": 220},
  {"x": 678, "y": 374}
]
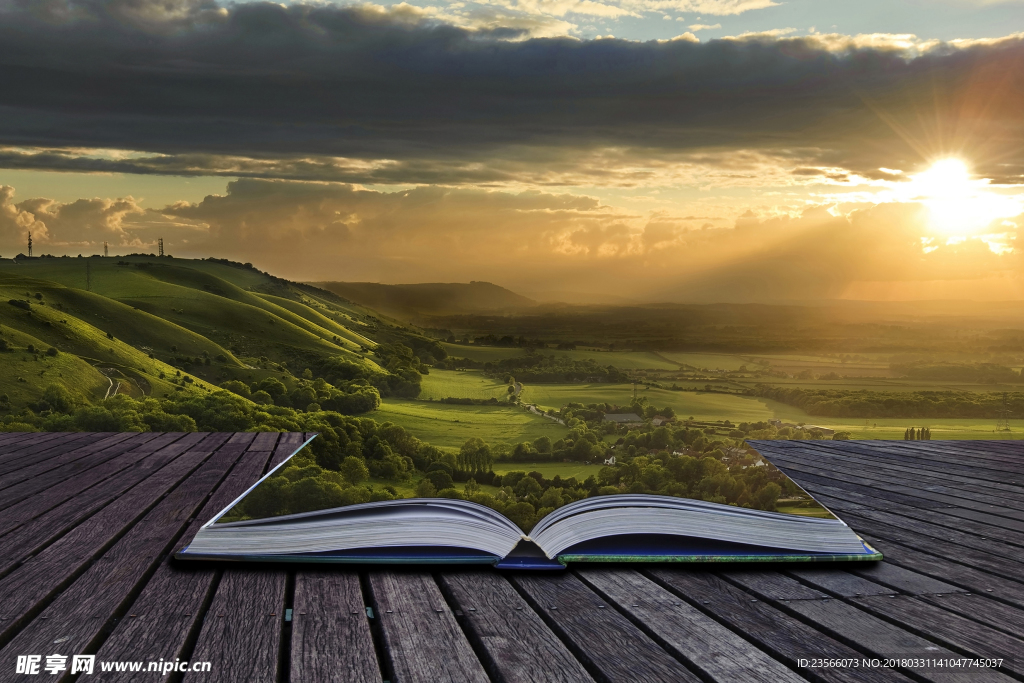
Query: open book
[{"x": 600, "y": 528}]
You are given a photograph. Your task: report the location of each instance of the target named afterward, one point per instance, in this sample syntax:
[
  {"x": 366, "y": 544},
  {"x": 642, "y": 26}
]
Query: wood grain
[
  {"x": 519, "y": 647},
  {"x": 329, "y": 642},
  {"x": 423, "y": 641},
  {"x": 614, "y": 648}
]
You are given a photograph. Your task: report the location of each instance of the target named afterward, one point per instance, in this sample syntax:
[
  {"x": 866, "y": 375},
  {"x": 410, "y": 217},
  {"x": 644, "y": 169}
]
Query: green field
[
  {"x": 700, "y": 406},
  {"x": 624, "y": 360},
  {"x": 550, "y": 469},
  {"x": 461, "y": 384},
  {"x": 450, "y": 426},
  {"x": 709, "y": 361},
  {"x": 948, "y": 428}
]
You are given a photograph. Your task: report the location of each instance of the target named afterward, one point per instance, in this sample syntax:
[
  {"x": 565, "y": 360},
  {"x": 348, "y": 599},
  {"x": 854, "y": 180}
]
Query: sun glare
[{"x": 957, "y": 203}]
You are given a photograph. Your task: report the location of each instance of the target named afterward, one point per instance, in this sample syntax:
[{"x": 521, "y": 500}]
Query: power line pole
[
  {"x": 105, "y": 252},
  {"x": 160, "y": 246},
  {"x": 1003, "y": 424},
  {"x": 30, "y": 244}
]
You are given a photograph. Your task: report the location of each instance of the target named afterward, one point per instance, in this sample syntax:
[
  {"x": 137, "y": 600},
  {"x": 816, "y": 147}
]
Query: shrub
[{"x": 59, "y": 398}]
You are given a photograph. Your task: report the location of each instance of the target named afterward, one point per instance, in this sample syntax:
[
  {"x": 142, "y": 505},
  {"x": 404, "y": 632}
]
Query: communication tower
[
  {"x": 1003, "y": 423},
  {"x": 160, "y": 246},
  {"x": 30, "y": 245},
  {"x": 105, "y": 252}
]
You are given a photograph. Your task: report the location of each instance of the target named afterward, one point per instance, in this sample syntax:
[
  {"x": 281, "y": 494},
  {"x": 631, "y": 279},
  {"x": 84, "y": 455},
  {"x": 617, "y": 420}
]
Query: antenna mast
[
  {"x": 30, "y": 244},
  {"x": 1003, "y": 424},
  {"x": 105, "y": 252},
  {"x": 160, "y": 246}
]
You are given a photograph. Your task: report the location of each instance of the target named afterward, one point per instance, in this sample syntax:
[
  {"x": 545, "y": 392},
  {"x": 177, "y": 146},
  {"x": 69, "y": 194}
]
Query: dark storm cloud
[{"x": 284, "y": 88}]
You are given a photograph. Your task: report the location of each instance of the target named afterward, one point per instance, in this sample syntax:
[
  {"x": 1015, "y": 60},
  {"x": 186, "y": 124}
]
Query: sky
[{"x": 573, "y": 150}]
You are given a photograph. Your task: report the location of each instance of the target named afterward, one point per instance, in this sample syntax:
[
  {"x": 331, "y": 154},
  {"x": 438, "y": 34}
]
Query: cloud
[
  {"x": 878, "y": 252},
  {"x": 16, "y": 224},
  {"x": 538, "y": 241},
  {"x": 703, "y": 27},
  {"x": 466, "y": 95},
  {"x": 712, "y": 7},
  {"x": 82, "y": 224}
]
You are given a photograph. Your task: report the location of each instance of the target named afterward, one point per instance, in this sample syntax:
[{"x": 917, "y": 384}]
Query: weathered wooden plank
[
  {"x": 9, "y": 441},
  {"x": 286, "y": 445},
  {"x": 241, "y": 635},
  {"x": 907, "y": 486},
  {"x": 903, "y": 580},
  {"x": 78, "y": 615},
  {"x": 928, "y": 619},
  {"x": 951, "y": 486},
  {"x": 39, "y": 577},
  {"x": 894, "y": 463},
  {"x": 41, "y": 445},
  {"x": 984, "y": 526},
  {"x": 989, "y": 561},
  {"x": 952, "y": 630},
  {"x": 981, "y": 608},
  {"x": 934, "y": 457},
  {"x": 953, "y": 539},
  {"x": 329, "y": 642},
  {"x": 31, "y": 453},
  {"x": 40, "y": 532},
  {"x": 71, "y": 444},
  {"x": 518, "y": 646},
  {"x": 73, "y": 487},
  {"x": 422, "y": 638},
  {"x": 840, "y": 583},
  {"x": 944, "y": 515},
  {"x": 869, "y": 633},
  {"x": 611, "y": 645},
  {"x": 170, "y": 607},
  {"x": 808, "y": 478},
  {"x": 709, "y": 647},
  {"x": 35, "y": 478},
  {"x": 769, "y": 628},
  {"x": 264, "y": 441},
  {"x": 981, "y": 454},
  {"x": 241, "y": 632},
  {"x": 956, "y": 573}
]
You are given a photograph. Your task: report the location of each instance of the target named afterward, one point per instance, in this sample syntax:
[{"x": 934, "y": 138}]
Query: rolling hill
[
  {"x": 157, "y": 327},
  {"x": 418, "y": 302}
]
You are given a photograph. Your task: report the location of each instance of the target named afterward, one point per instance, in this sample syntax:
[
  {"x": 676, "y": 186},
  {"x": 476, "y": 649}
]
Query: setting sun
[{"x": 958, "y": 204}]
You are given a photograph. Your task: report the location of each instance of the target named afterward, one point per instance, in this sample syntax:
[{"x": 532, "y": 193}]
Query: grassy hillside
[
  {"x": 415, "y": 302},
  {"x": 146, "y": 327}
]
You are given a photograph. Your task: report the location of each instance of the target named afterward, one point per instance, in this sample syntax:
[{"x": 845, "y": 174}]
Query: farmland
[
  {"x": 449, "y": 426},
  {"x": 550, "y": 469}
]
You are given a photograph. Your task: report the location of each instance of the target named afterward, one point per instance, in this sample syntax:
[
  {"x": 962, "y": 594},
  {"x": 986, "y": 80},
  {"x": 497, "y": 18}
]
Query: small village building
[{"x": 623, "y": 418}]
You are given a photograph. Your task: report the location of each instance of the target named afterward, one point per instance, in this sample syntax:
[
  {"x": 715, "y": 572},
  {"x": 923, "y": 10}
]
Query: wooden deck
[{"x": 88, "y": 523}]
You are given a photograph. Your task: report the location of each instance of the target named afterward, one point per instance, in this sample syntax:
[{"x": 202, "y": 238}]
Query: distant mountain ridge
[{"x": 410, "y": 302}]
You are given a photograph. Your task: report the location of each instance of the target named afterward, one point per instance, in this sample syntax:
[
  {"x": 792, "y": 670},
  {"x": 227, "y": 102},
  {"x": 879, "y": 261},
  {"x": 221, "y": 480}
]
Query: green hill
[
  {"x": 164, "y": 328},
  {"x": 418, "y": 302}
]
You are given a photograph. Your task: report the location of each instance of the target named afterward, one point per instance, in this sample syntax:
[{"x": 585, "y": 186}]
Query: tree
[
  {"x": 58, "y": 398},
  {"x": 440, "y": 479},
  {"x": 526, "y": 486},
  {"x": 425, "y": 489},
  {"x": 354, "y": 470}
]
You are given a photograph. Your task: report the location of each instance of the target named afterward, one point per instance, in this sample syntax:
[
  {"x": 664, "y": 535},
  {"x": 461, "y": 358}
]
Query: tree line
[{"x": 904, "y": 404}]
